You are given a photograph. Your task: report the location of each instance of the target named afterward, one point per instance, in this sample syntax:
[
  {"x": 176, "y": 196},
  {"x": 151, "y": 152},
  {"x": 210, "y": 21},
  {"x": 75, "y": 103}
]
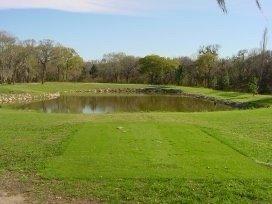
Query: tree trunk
[
  {"x": 1, "y": 77},
  {"x": 59, "y": 77},
  {"x": 28, "y": 75},
  {"x": 43, "y": 73},
  {"x": 14, "y": 76},
  {"x": 66, "y": 75}
]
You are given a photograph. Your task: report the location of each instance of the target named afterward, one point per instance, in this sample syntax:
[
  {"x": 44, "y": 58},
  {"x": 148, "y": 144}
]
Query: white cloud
[
  {"x": 96, "y": 6},
  {"x": 127, "y": 6}
]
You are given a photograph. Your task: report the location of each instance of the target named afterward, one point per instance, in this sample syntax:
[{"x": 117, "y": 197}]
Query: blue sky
[{"x": 139, "y": 27}]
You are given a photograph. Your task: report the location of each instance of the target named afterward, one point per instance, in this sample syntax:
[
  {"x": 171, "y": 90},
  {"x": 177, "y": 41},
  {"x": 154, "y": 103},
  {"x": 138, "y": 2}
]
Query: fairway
[{"x": 149, "y": 150}]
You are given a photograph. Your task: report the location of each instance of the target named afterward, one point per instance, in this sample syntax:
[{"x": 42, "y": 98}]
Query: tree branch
[{"x": 222, "y": 4}]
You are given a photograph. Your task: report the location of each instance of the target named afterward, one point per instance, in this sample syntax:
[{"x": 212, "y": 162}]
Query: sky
[{"x": 138, "y": 27}]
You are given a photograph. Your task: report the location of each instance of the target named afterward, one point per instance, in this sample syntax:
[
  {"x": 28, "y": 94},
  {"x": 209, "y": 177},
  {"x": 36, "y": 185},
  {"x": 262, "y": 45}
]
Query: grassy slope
[
  {"x": 233, "y": 96},
  {"x": 156, "y": 157}
]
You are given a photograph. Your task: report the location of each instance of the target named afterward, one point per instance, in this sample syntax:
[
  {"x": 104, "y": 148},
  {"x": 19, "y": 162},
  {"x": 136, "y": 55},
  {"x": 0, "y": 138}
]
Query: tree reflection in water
[{"x": 131, "y": 103}]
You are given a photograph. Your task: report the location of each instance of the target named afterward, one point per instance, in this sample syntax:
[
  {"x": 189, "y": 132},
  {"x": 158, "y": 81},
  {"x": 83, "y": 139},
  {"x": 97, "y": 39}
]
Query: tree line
[
  {"x": 31, "y": 61},
  {"x": 247, "y": 71}
]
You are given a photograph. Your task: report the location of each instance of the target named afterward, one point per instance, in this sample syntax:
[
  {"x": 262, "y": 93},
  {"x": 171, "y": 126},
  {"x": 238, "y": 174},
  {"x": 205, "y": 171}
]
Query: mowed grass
[
  {"x": 142, "y": 157},
  {"x": 149, "y": 150},
  {"x": 265, "y": 100},
  {"x": 62, "y": 87},
  {"x": 219, "y": 157}
]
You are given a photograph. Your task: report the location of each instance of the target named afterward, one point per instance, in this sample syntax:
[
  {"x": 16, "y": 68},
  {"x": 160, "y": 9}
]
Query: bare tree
[
  {"x": 45, "y": 55},
  {"x": 7, "y": 41},
  {"x": 264, "y": 41},
  {"x": 262, "y": 74},
  {"x": 31, "y": 65},
  {"x": 129, "y": 67}
]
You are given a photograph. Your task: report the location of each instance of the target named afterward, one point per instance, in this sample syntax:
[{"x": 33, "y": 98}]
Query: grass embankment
[
  {"x": 261, "y": 100},
  {"x": 145, "y": 157}
]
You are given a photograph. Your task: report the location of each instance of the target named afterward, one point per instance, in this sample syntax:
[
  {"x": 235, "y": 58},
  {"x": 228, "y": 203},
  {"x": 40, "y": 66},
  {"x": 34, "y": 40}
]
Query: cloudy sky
[
  {"x": 139, "y": 27},
  {"x": 125, "y": 7}
]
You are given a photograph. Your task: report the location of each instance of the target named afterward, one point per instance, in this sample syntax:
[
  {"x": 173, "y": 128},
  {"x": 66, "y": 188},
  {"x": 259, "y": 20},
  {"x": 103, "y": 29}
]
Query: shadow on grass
[
  {"x": 231, "y": 95},
  {"x": 265, "y": 102}
]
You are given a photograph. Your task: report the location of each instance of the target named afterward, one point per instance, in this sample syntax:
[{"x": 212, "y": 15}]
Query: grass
[
  {"x": 140, "y": 157},
  {"x": 150, "y": 150},
  {"x": 62, "y": 87},
  {"x": 265, "y": 100}
]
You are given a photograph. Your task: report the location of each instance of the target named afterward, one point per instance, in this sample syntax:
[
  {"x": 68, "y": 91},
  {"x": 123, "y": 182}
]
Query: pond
[{"x": 128, "y": 103}]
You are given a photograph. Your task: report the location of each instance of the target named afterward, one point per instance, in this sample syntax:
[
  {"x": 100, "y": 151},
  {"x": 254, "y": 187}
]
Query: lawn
[
  {"x": 148, "y": 149},
  {"x": 139, "y": 157},
  {"x": 62, "y": 87}
]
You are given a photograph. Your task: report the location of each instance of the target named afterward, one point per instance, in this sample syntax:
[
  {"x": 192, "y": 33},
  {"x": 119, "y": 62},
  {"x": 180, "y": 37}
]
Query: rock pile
[
  {"x": 159, "y": 90},
  {"x": 26, "y": 97},
  {"x": 108, "y": 91},
  {"x": 133, "y": 90}
]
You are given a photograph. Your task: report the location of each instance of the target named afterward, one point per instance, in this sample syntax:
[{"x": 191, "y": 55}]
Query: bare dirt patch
[
  {"x": 21, "y": 189},
  {"x": 5, "y": 198}
]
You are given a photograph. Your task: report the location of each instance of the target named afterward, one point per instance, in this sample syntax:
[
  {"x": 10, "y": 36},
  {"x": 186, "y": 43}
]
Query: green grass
[
  {"x": 166, "y": 157},
  {"x": 147, "y": 149},
  {"x": 229, "y": 95},
  {"x": 62, "y": 87},
  {"x": 140, "y": 157}
]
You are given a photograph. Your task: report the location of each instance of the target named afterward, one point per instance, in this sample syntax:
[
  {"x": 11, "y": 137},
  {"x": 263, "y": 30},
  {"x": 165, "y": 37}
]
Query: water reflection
[{"x": 110, "y": 104}]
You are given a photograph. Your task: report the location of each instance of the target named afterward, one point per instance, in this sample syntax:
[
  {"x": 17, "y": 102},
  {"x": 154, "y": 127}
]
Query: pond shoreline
[
  {"x": 7, "y": 99},
  {"x": 24, "y": 98},
  {"x": 172, "y": 91}
]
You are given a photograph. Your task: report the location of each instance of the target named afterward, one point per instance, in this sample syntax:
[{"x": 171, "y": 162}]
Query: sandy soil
[{"x": 5, "y": 198}]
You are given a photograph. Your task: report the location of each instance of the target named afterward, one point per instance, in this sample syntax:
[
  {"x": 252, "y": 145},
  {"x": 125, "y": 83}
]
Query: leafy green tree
[
  {"x": 214, "y": 82},
  {"x": 69, "y": 63},
  {"x": 179, "y": 74},
  {"x": 155, "y": 67},
  {"x": 93, "y": 71},
  {"x": 225, "y": 82},
  {"x": 206, "y": 61},
  {"x": 74, "y": 68},
  {"x": 253, "y": 86}
]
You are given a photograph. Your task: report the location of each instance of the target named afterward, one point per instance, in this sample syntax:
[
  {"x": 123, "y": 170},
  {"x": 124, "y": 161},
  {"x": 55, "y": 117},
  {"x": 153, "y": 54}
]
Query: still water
[{"x": 132, "y": 103}]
